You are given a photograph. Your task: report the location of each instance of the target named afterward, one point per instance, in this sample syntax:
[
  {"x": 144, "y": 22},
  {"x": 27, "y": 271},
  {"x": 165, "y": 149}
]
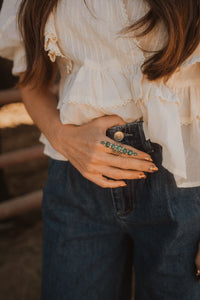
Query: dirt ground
[{"x": 20, "y": 257}]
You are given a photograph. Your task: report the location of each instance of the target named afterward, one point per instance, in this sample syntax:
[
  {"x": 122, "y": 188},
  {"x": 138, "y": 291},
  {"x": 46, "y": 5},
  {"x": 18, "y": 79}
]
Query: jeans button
[{"x": 118, "y": 136}]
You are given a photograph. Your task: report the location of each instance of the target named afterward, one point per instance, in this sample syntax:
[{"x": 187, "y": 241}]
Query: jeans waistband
[{"x": 132, "y": 134}]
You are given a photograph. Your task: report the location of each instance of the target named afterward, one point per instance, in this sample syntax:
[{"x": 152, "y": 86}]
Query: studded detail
[
  {"x": 118, "y": 148},
  {"x": 125, "y": 151},
  {"x": 118, "y": 136}
]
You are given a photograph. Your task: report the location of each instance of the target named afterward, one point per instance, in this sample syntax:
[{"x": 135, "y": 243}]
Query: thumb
[{"x": 113, "y": 120}]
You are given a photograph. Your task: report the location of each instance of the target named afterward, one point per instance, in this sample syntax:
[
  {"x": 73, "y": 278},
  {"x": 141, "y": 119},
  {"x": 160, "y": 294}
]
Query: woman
[{"x": 124, "y": 142}]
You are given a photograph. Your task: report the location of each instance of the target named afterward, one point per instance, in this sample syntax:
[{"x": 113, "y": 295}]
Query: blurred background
[{"x": 23, "y": 172}]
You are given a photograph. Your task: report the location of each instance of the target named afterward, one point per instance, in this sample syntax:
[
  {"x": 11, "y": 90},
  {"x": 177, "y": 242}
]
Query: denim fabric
[{"x": 93, "y": 236}]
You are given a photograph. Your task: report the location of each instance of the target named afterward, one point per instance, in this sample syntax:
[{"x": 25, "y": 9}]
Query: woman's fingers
[
  {"x": 122, "y": 162},
  {"x": 105, "y": 182},
  {"x": 118, "y": 174},
  {"x": 126, "y": 157},
  {"x": 110, "y": 146},
  {"x": 96, "y": 175}
]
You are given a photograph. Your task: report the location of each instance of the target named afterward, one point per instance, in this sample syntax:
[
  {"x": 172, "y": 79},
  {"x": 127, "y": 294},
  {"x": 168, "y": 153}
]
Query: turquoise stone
[
  {"x": 130, "y": 152},
  {"x": 119, "y": 148},
  {"x": 102, "y": 142},
  {"x": 125, "y": 151},
  {"x": 113, "y": 146},
  {"x": 135, "y": 154},
  {"x": 108, "y": 144}
]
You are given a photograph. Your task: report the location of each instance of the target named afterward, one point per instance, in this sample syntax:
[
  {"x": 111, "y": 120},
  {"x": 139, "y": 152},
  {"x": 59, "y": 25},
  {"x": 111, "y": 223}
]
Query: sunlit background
[{"x": 23, "y": 171}]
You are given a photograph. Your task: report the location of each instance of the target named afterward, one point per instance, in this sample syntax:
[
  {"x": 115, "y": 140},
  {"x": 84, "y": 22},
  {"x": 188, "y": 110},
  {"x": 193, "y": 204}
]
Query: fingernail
[
  {"x": 142, "y": 176},
  {"x": 148, "y": 158},
  {"x": 153, "y": 169}
]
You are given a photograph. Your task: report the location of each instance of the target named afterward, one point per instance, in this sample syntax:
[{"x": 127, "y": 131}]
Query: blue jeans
[{"x": 92, "y": 236}]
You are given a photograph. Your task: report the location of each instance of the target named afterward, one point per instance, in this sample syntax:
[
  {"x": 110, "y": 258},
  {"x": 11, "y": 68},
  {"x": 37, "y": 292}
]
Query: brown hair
[
  {"x": 182, "y": 22},
  {"x": 181, "y": 19},
  {"x": 32, "y": 17}
]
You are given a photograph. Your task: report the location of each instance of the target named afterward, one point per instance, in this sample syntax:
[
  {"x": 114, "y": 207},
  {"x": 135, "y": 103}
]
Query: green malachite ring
[{"x": 118, "y": 148}]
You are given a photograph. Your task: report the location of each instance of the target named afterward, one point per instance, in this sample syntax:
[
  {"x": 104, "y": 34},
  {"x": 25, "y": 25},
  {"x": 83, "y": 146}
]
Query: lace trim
[
  {"x": 53, "y": 50},
  {"x": 77, "y": 101},
  {"x": 51, "y": 46},
  {"x": 51, "y": 43}
]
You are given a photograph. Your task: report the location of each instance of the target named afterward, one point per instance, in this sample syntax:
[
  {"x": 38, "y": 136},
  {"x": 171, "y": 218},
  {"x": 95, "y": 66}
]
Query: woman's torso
[{"x": 101, "y": 75}]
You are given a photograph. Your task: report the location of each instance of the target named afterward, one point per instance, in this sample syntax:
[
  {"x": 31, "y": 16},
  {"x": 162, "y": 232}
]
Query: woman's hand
[
  {"x": 197, "y": 262},
  {"x": 81, "y": 145}
]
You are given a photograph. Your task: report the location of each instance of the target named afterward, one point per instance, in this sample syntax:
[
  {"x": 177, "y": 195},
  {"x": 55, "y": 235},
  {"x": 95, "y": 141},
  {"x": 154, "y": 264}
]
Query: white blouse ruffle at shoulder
[{"x": 101, "y": 75}]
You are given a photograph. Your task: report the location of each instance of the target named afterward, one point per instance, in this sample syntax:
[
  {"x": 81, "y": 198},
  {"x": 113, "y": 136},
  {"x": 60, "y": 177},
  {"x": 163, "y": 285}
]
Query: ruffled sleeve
[
  {"x": 186, "y": 85},
  {"x": 51, "y": 40},
  {"x": 171, "y": 113},
  {"x": 51, "y": 43},
  {"x": 161, "y": 115},
  {"x": 11, "y": 45}
]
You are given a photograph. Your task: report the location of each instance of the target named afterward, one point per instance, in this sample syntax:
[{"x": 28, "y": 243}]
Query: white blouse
[{"x": 101, "y": 75}]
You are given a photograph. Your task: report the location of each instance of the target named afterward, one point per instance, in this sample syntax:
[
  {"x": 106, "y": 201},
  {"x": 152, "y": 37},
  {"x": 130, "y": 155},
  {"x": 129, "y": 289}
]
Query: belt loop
[{"x": 146, "y": 143}]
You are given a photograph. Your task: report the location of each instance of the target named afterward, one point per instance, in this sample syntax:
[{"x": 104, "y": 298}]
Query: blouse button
[{"x": 118, "y": 136}]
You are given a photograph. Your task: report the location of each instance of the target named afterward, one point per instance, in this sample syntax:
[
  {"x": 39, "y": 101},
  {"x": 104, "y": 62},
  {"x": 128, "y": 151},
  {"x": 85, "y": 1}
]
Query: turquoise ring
[{"x": 119, "y": 148}]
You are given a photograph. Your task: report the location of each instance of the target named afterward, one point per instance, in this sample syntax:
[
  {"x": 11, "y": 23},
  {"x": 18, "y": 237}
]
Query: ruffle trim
[
  {"x": 51, "y": 46},
  {"x": 158, "y": 90},
  {"x": 90, "y": 102},
  {"x": 165, "y": 112},
  {"x": 193, "y": 59},
  {"x": 189, "y": 109},
  {"x": 51, "y": 40},
  {"x": 73, "y": 113},
  {"x": 51, "y": 43},
  {"x": 159, "y": 105},
  {"x": 102, "y": 85},
  {"x": 189, "y": 112}
]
